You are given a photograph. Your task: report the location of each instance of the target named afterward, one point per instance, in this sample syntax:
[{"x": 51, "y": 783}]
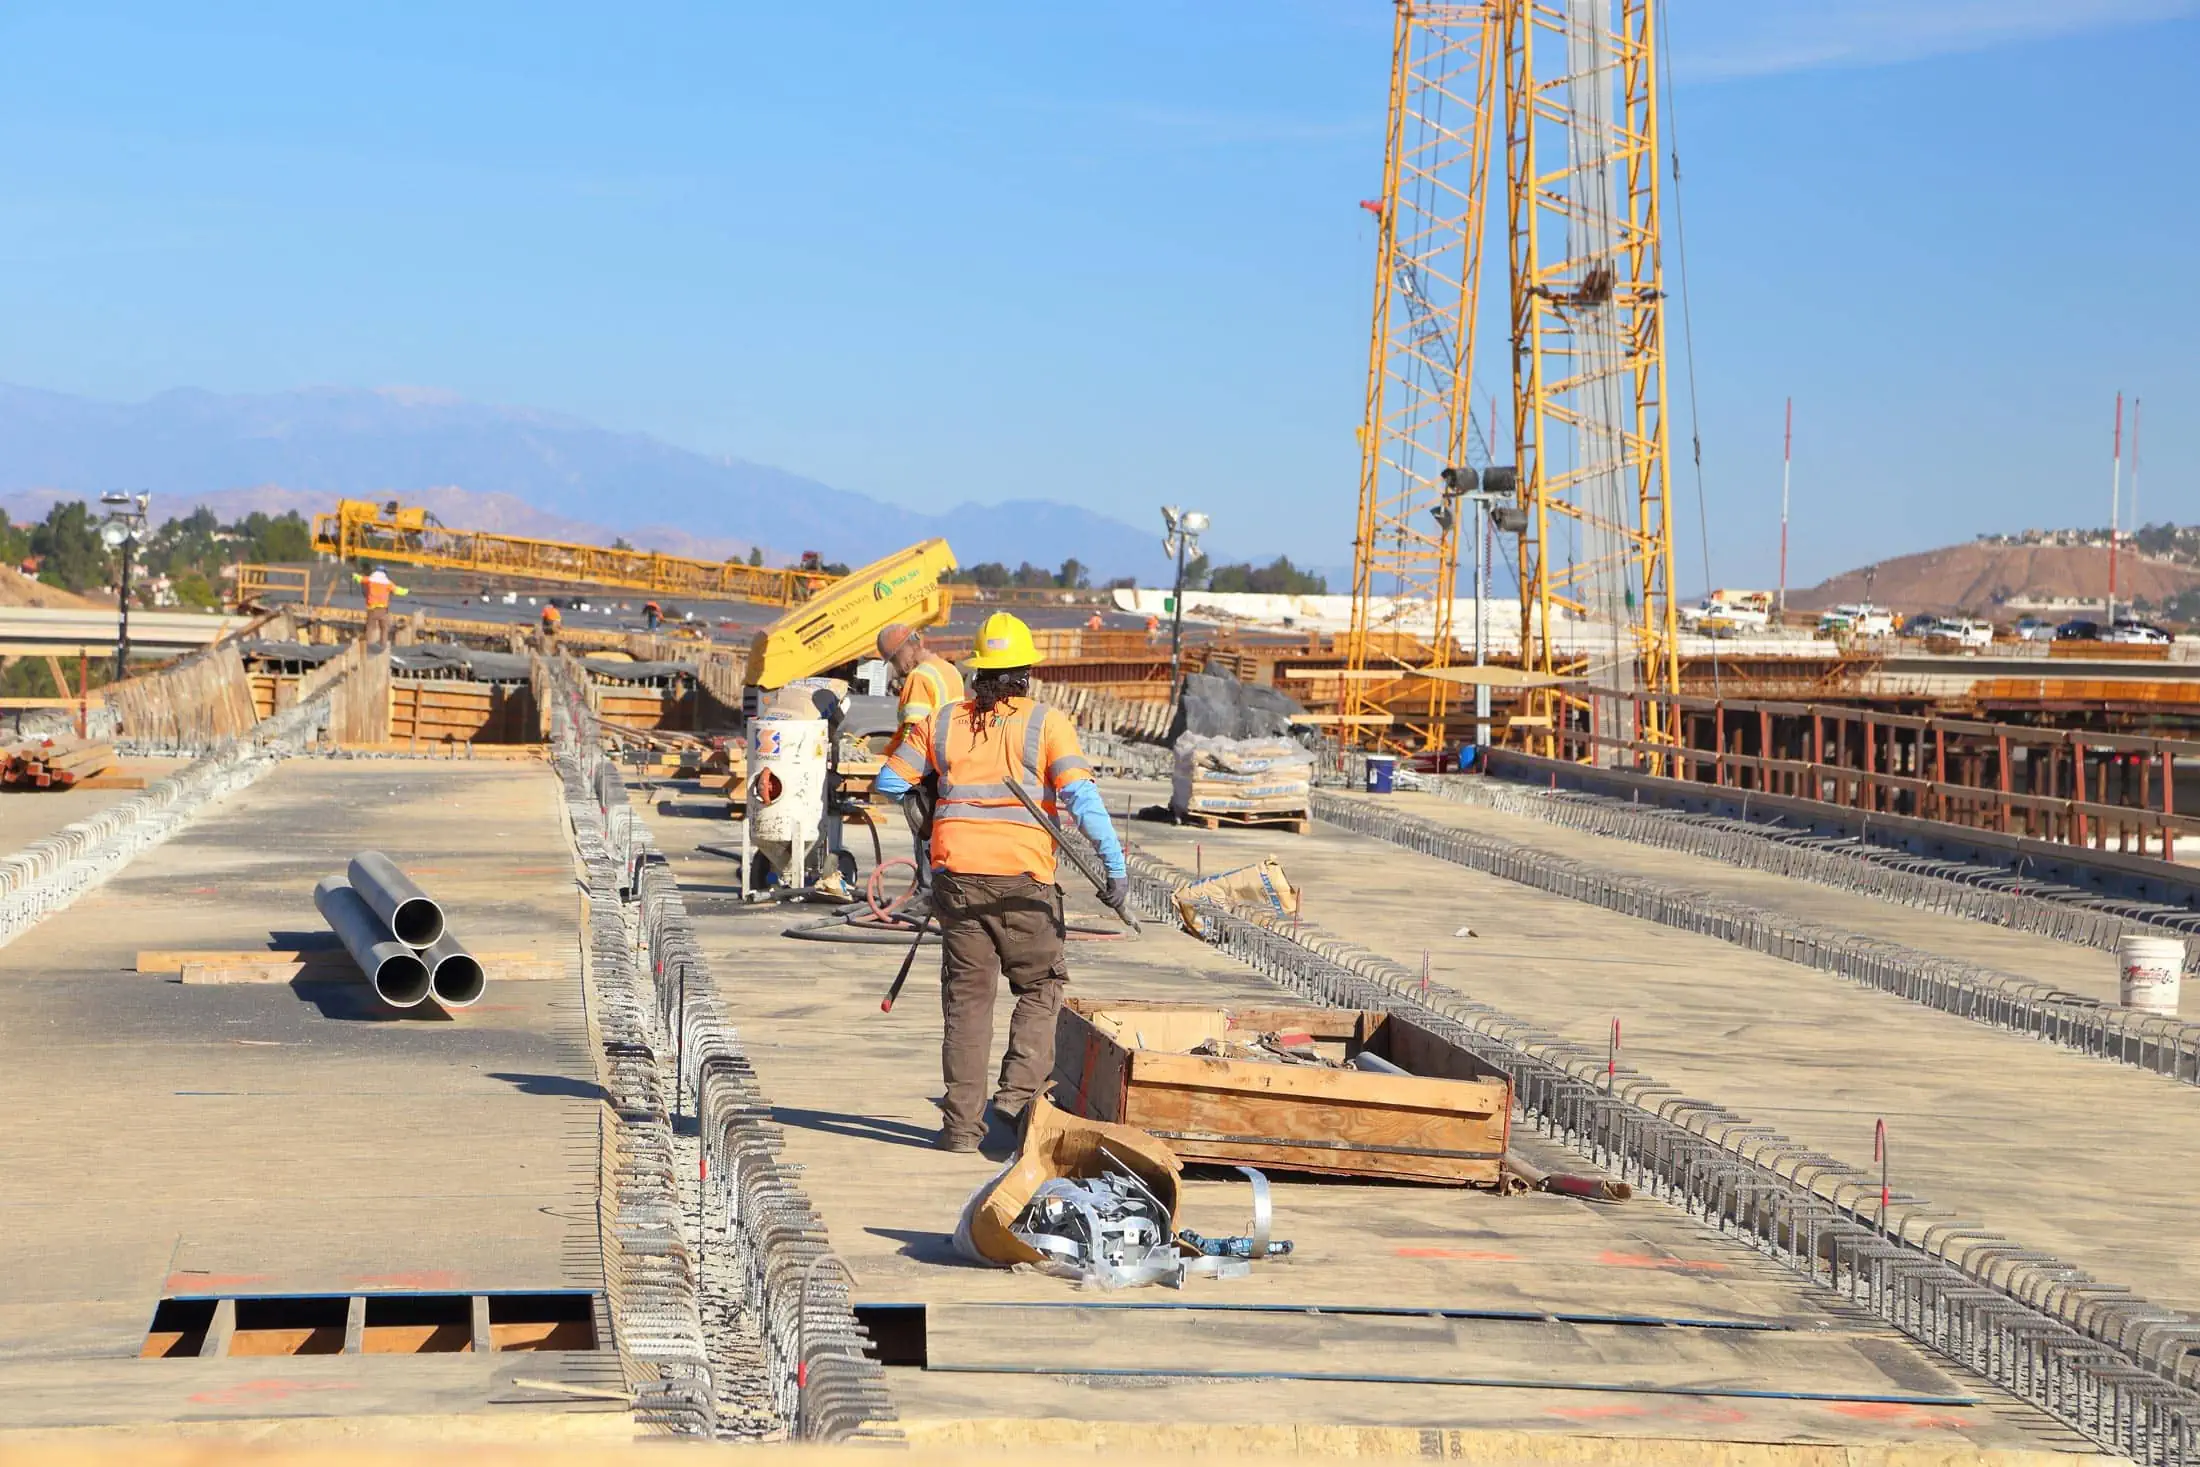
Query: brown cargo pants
[{"x": 991, "y": 925}]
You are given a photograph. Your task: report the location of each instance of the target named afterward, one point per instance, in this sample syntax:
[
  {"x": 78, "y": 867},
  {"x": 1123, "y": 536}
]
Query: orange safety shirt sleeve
[
  {"x": 1060, "y": 755},
  {"x": 910, "y": 753}
]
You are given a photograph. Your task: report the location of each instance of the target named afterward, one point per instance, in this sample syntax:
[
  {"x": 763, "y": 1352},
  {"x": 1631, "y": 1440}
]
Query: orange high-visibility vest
[
  {"x": 931, "y": 685},
  {"x": 378, "y": 594},
  {"x": 979, "y": 828}
]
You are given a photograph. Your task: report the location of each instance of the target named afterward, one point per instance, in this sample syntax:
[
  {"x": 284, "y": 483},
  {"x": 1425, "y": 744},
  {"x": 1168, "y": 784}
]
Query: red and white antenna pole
[
  {"x": 2115, "y": 494},
  {"x": 1787, "y": 458}
]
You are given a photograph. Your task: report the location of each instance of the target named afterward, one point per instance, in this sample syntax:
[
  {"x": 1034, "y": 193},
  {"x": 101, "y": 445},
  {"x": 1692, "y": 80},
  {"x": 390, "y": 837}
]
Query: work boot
[
  {"x": 1004, "y": 1134},
  {"x": 949, "y": 1140}
]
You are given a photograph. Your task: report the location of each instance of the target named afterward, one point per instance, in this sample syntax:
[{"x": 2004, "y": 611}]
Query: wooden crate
[{"x": 1446, "y": 1122}]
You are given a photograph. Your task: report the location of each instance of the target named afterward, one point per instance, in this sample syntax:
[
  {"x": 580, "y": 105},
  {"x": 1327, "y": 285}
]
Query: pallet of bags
[{"x": 1260, "y": 781}]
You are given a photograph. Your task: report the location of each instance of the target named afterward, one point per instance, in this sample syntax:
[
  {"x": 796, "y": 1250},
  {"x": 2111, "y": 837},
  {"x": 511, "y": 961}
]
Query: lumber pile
[
  {"x": 1259, "y": 781},
  {"x": 51, "y": 766},
  {"x": 1100, "y": 711}
]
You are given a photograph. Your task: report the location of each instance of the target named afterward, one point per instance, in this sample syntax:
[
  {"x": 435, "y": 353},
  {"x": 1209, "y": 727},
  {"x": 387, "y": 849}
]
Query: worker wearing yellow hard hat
[{"x": 994, "y": 895}]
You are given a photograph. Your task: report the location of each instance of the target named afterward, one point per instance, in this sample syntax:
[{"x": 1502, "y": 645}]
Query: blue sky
[{"x": 1103, "y": 253}]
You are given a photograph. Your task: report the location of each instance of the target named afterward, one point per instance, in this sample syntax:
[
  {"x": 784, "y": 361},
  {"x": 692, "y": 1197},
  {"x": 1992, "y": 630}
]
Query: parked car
[
  {"x": 1925, "y": 624},
  {"x": 1970, "y": 632},
  {"x": 2078, "y": 631},
  {"x": 2032, "y": 629},
  {"x": 2130, "y": 631}
]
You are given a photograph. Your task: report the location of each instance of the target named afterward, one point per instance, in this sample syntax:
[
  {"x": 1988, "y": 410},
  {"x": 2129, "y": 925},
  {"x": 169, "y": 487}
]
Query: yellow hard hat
[{"x": 1004, "y": 641}]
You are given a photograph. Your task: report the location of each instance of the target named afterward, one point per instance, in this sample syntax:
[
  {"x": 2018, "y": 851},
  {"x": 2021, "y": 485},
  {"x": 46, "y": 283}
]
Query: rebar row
[
  {"x": 50, "y": 873},
  {"x": 649, "y": 1272},
  {"x": 2110, "y": 1365},
  {"x": 2161, "y": 1043},
  {"x": 1979, "y": 892},
  {"x": 816, "y": 1377}
]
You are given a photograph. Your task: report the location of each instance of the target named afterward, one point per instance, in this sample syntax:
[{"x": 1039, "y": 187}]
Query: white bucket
[{"x": 2150, "y": 969}]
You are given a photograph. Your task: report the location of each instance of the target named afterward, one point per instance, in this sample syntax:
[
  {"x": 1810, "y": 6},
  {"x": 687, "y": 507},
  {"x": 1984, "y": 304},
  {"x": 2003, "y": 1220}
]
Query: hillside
[
  {"x": 17, "y": 589},
  {"x": 1978, "y": 577},
  {"x": 317, "y": 445}
]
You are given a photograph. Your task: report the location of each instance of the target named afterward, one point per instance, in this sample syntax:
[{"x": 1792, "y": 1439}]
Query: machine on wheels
[{"x": 800, "y": 715}]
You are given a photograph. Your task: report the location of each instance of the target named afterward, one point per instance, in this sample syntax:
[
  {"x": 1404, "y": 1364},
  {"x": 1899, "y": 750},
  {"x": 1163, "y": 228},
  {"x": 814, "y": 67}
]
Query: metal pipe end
[
  {"x": 458, "y": 980},
  {"x": 402, "y": 982},
  {"x": 417, "y": 922}
]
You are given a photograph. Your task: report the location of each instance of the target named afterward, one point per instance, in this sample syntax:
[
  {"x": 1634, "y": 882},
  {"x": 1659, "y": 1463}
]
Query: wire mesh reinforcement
[
  {"x": 2093, "y": 1355},
  {"x": 50, "y": 873},
  {"x": 2161, "y": 1043},
  {"x": 1981, "y": 893},
  {"x": 663, "y": 1023}
]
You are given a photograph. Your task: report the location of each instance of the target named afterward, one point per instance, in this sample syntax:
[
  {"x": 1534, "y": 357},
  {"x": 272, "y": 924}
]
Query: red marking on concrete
[
  {"x": 255, "y": 1392},
  {"x": 1595, "y": 1413},
  {"x": 201, "y": 890},
  {"x": 1469, "y": 1255},
  {"x": 189, "y": 1282},
  {"x": 1610, "y": 1259},
  {"x": 438, "y": 1279},
  {"x": 1896, "y": 1411}
]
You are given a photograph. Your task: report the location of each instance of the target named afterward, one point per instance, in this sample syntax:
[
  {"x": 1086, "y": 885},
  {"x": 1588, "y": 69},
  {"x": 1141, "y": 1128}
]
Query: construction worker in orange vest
[
  {"x": 1095, "y": 622},
  {"x": 378, "y": 588},
  {"x": 926, "y": 682},
  {"x": 552, "y": 618},
  {"x": 994, "y": 894},
  {"x": 652, "y": 614}
]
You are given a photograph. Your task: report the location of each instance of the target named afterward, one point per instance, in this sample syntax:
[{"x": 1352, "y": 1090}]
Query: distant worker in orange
[
  {"x": 994, "y": 894},
  {"x": 1094, "y": 622},
  {"x": 652, "y": 614},
  {"x": 1153, "y": 626},
  {"x": 552, "y": 619},
  {"x": 378, "y": 588}
]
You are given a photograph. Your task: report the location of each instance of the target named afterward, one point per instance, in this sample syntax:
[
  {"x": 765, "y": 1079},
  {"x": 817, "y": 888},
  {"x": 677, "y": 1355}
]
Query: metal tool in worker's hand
[
  {"x": 1070, "y": 853},
  {"x": 908, "y": 960}
]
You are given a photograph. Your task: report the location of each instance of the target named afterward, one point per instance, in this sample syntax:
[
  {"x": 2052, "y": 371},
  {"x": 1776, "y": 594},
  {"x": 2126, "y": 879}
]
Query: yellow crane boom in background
[{"x": 366, "y": 529}]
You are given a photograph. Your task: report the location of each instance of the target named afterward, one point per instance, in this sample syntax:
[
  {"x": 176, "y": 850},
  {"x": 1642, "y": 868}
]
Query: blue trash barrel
[{"x": 1382, "y": 769}]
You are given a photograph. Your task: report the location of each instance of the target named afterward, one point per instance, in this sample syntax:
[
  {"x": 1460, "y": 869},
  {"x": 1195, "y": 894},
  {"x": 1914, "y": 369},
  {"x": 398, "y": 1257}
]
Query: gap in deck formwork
[{"x": 372, "y": 1324}]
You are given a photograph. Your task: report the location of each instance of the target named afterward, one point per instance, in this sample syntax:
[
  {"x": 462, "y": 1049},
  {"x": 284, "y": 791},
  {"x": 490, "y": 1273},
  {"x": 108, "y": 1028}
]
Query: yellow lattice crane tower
[
  {"x": 1588, "y": 327},
  {"x": 1576, "y": 84},
  {"x": 1420, "y": 372}
]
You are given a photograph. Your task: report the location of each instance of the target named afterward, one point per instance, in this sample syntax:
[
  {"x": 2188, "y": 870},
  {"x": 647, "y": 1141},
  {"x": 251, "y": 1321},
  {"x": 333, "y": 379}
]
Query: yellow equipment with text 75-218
[{"x": 840, "y": 624}]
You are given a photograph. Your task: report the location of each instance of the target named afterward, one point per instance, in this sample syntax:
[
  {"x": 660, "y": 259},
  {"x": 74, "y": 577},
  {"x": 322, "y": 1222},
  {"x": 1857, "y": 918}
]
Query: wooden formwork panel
[
  {"x": 440, "y": 710},
  {"x": 645, "y": 708}
]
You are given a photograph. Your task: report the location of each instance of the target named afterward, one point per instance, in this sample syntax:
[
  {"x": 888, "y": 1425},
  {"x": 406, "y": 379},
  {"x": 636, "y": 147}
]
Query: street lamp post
[
  {"x": 1493, "y": 499},
  {"x": 126, "y": 519},
  {"x": 1181, "y": 539}
]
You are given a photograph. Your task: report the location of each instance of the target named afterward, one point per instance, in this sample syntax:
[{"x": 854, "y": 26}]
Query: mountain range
[{"x": 480, "y": 466}]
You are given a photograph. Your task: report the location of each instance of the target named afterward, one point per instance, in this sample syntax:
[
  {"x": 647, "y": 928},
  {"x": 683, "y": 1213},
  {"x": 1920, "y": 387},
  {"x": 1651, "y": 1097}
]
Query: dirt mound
[
  {"x": 1977, "y": 578},
  {"x": 17, "y": 589}
]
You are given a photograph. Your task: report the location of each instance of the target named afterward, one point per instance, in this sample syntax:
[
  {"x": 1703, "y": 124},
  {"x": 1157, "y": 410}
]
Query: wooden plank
[
  {"x": 175, "y": 960},
  {"x": 529, "y": 970},
  {"x": 113, "y": 779}
]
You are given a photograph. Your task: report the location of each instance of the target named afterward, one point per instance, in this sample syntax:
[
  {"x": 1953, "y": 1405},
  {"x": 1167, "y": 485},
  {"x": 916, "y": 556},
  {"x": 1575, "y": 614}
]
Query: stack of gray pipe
[{"x": 394, "y": 931}]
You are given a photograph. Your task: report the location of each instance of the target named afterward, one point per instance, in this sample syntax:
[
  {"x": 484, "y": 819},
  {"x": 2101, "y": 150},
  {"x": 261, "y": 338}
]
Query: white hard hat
[{"x": 377, "y": 574}]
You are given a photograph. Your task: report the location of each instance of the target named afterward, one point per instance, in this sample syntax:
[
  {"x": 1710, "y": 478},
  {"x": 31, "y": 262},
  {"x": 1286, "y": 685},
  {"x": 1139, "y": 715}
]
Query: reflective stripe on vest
[{"x": 959, "y": 801}]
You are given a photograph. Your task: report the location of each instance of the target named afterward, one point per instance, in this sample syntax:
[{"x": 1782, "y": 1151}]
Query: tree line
[
  {"x": 1278, "y": 577},
  {"x": 190, "y": 551}
]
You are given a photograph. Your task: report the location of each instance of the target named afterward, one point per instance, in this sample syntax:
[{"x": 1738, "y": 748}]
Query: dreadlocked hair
[{"x": 990, "y": 687}]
